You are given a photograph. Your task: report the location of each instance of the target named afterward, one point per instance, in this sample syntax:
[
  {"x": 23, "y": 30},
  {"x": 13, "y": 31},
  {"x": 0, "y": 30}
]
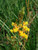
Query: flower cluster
[{"x": 22, "y": 29}]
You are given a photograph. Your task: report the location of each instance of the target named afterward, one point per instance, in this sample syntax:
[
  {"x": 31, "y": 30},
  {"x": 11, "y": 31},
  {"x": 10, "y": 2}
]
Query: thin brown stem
[
  {"x": 32, "y": 20},
  {"x": 27, "y": 4}
]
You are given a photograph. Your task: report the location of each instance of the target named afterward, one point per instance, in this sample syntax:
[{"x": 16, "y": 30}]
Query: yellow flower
[
  {"x": 11, "y": 30},
  {"x": 23, "y": 35},
  {"x": 26, "y": 36},
  {"x": 28, "y": 29},
  {"x": 12, "y": 23},
  {"x": 25, "y": 28},
  {"x": 25, "y": 23},
  {"x": 21, "y": 32},
  {"x": 15, "y": 29}
]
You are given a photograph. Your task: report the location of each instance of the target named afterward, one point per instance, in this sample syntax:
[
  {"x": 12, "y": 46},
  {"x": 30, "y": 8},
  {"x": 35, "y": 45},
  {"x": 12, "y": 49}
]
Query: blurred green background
[{"x": 9, "y": 11}]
